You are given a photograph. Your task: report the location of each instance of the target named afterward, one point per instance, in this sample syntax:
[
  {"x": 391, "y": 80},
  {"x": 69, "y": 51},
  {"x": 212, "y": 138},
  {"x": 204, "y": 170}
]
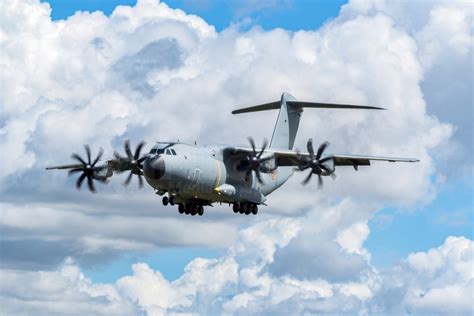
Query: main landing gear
[
  {"x": 246, "y": 208},
  {"x": 186, "y": 208},
  {"x": 191, "y": 209}
]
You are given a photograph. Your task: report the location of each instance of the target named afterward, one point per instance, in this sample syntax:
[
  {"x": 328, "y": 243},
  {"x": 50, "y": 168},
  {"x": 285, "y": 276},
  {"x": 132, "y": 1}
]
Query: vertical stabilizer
[
  {"x": 288, "y": 120},
  {"x": 287, "y": 123}
]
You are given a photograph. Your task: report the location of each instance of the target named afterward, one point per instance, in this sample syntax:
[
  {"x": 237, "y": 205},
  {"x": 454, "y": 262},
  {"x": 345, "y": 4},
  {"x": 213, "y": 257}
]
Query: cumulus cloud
[
  {"x": 154, "y": 73},
  {"x": 239, "y": 282},
  {"x": 444, "y": 35}
]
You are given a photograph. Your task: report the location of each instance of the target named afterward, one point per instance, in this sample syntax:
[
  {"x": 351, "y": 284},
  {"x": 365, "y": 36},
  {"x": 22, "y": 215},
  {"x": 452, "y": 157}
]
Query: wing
[
  {"x": 358, "y": 160},
  {"x": 292, "y": 158},
  {"x": 65, "y": 167}
]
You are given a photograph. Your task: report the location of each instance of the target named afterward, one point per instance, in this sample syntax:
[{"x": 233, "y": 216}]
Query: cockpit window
[
  {"x": 160, "y": 148},
  {"x": 173, "y": 151},
  {"x": 168, "y": 152}
]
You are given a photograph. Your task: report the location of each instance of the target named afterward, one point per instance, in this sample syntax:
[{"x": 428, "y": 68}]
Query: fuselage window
[
  {"x": 174, "y": 152},
  {"x": 168, "y": 152},
  {"x": 153, "y": 150}
]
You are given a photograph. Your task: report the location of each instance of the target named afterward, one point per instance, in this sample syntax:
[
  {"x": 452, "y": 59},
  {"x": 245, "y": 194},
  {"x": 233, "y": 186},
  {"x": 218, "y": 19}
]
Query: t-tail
[{"x": 289, "y": 116}]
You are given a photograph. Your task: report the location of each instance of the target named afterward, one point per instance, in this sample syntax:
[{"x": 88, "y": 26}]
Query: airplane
[{"x": 192, "y": 176}]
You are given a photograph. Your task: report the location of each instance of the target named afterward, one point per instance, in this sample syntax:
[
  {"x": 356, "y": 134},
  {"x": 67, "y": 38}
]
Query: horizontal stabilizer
[
  {"x": 331, "y": 105},
  {"x": 262, "y": 107},
  {"x": 300, "y": 104}
]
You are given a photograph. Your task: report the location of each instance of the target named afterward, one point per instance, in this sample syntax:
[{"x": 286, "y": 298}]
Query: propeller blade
[
  {"x": 78, "y": 158},
  {"x": 88, "y": 152},
  {"x": 138, "y": 150},
  {"x": 265, "y": 143},
  {"x": 306, "y": 180},
  {"x": 127, "y": 149},
  {"x": 129, "y": 178},
  {"x": 140, "y": 182},
  {"x": 320, "y": 181},
  {"x": 325, "y": 159},
  {"x": 72, "y": 171},
  {"x": 80, "y": 180},
  {"x": 117, "y": 156},
  {"x": 99, "y": 155},
  {"x": 321, "y": 149},
  {"x": 252, "y": 143},
  {"x": 90, "y": 183},
  {"x": 247, "y": 175},
  {"x": 309, "y": 146},
  {"x": 139, "y": 162},
  {"x": 259, "y": 177}
]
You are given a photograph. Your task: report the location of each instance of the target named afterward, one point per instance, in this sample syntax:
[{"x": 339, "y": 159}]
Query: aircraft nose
[{"x": 154, "y": 168}]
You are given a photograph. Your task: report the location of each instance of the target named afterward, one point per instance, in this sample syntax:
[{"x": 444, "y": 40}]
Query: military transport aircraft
[{"x": 192, "y": 176}]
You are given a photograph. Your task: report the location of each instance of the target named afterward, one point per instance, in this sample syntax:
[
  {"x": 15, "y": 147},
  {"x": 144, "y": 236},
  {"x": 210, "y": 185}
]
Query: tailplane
[{"x": 288, "y": 120}]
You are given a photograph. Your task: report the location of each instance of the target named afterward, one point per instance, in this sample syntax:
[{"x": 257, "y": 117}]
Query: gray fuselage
[{"x": 207, "y": 174}]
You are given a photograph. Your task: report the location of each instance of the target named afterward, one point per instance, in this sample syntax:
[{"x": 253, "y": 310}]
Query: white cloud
[
  {"x": 154, "y": 73},
  {"x": 239, "y": 282}
]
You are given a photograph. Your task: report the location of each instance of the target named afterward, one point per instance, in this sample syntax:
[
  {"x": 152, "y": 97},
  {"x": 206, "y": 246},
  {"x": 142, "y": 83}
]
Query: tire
[
  {"x": 200, "y": 210},
  {"x": 254, "y": 209},
  {"x": 248, "y": 208},
  {"x": 165, "y": 200},
  {"x": 172, "y": 200},
  {"x": 236, "y": 208},
  {"x": 193, "y": 211},
  {"x": 181, "y": 208},
  {"x": 187, "y": 209}
]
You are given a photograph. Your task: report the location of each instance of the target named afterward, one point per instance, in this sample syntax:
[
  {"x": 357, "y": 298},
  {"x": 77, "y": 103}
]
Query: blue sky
[
  {"x": 101, "y": 80},
  {"x": 291, "y": 15},
  {"x": 394, "y": 232}
]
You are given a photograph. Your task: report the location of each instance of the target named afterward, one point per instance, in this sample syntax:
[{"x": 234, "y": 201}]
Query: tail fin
[{"x": 288, "y": 120}]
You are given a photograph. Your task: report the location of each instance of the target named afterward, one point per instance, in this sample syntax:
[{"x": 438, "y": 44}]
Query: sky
[{"x": 389, "y": 239}]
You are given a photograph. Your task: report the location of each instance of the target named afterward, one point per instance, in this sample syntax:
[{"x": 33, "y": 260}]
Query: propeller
[
  {"x": 315, "y": 163},
  {"x": 255, "y": 160},
  {"x": 132, "y": 162},
  {"x": 88, "y": 169}
]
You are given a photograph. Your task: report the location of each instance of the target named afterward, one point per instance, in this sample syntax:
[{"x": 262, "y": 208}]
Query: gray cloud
[
  {"x": 133, "y": 71},
  {"x": 139, "y": 74},
  {"x": 315, "y": 259}
]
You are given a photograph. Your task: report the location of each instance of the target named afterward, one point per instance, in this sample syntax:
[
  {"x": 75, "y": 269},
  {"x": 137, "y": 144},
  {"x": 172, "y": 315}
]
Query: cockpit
[{"x": 163, "y": 148}]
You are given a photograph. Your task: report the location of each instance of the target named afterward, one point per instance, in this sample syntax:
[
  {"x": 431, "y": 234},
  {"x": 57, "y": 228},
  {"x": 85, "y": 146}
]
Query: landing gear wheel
[
  {"x": 172, "y": 200},
  {"x": 165, "y": 200},
  {"x": 246, "y": 208},
  {"x": 193, "y": 211},
  {"x": 200, "y": 210},
  {"x": 181, "y": 209},
  {"x": 187, "y": 209},
  {"x": 235, "y": 208},
  {"x": 254, "y": 209}
]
